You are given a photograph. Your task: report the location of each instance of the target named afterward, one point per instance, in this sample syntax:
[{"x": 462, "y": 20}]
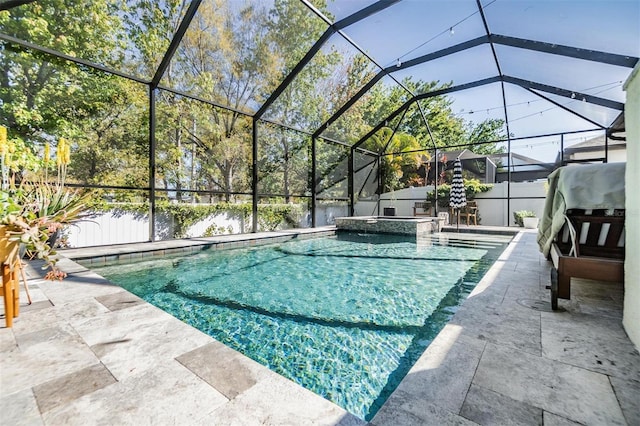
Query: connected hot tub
[{"x": 403, "y": 225}]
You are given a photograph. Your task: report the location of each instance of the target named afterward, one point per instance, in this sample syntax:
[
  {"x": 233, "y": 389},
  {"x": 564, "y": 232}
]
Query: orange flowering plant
[{"x": 35, "y": 210}]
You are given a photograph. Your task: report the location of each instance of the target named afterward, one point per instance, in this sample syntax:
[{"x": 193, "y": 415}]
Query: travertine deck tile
[
  {"x": 551, "y": 419},
  {"x": 72, "y": 386},
  {"x": 20, "y": 409},
  {"x": 133, "y": 340},
  {"x": 580, "y": 395},
  {"x": 230, "y": 372},
  {"x": 628, "y": 393},
  {"x": 486, "y": 407},
  {"x": 407, "y": 411},
  {"x": 42, "y": 356},
  {"x": 597, "y": 343},
  {"x": 514, "y": 326},
  {"x": 120, "y": 300},
  {"x": 444, "y": 372},
  {"x": 166, "y": 395},
  {"x": 275, "y": 401}
]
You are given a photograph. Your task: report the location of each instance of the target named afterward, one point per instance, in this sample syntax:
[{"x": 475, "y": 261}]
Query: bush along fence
[{"x": 116, "y": 223}]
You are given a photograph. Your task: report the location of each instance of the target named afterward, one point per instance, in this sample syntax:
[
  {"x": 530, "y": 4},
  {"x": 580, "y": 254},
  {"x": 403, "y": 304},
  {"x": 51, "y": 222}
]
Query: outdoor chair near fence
[{"x": 468, "y": 212}]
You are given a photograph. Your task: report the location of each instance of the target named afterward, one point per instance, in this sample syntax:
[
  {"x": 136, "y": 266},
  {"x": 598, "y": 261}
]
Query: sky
[{"x": 412, "y": 28}]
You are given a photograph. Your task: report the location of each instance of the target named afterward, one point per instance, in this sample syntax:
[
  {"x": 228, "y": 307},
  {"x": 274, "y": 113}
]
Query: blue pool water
[{"x": 344, "y": 316}]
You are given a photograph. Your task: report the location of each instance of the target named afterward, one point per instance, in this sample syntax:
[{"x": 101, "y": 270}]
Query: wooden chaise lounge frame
[{"x": 599, "y": 254}]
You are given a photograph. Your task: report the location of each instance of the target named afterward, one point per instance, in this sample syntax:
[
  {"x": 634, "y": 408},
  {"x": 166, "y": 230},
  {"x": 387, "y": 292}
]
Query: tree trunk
[
  {"x": 179, "y": 163},
  {"x": 228, "y": 182},
  {"x": 286, "y": 172}
]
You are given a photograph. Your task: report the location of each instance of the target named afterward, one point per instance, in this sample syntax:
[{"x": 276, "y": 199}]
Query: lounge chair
[
  {"x": 590, "y": 245},
  {"x": 582, "y": 228}
]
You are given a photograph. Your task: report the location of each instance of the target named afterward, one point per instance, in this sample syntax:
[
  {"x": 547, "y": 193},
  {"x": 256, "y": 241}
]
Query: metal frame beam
[
  {"x": 27, "y": 45},
  {"x": 333, "y": 28},
  {"x": 458, "y": 88},
  {"x": 564, "y": 92},
  {"x": 568, "y": 51},
  {"x": 426, "y": 123},
  {"x": 439, "y": 54},
  {"x": 574, "y": 52},
  {"x": 314, "y": 192},
  {"x": 254, "y": 175},
  {"x": 10, "y": 4},
  {"x": 152, "y": 164},
  {"x": 203, "y": 100},
  {"x": 364, "y": 13},
  {"x": 295, "y": 71},
  {"x": 504, "y": 104},
  {"x": 429, "y": 57},
  {"x": 175, "y": 42},
  {"x": 395, "y": 129},
  {"x": 559, "y": 105}
]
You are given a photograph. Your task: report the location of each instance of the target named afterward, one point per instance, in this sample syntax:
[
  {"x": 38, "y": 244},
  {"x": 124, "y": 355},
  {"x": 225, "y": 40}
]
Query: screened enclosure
[{"x": 205, "y": 117}]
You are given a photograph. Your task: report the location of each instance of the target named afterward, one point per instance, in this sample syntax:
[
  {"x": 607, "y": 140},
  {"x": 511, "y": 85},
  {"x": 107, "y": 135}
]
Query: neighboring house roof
[
  {"x": 463, "y": 154},
  {"x": 596, "y": 144},
  {"x": 521, "y": 160}
]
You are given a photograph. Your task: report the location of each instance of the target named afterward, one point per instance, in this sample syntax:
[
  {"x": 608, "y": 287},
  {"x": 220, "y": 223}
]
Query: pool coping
[{"x": 101, "y": 255}]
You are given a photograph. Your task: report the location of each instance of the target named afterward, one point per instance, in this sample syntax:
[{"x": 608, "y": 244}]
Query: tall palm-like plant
[
  {"x": 400, "y": 151},
  {"x": 36, "y": 209}
]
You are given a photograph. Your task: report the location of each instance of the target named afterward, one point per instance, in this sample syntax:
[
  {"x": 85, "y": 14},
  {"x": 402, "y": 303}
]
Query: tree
[
  {"x": 284, "y": 160},
  {"x": 147, "y": 30},
  {"x": 40, "y": 96},
  {"x": 398, "y": 155},
  {"x": 223, "y": 159},
  {"x": 487, "y": 131},
  {"x": 112, "y": 144},
  {"x": 224, "y": 57},
  {"x": 44, "y": 98}
]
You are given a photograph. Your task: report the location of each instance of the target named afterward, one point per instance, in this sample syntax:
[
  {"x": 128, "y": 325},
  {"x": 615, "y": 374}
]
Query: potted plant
[
  {"x": 34, "y": 210},
  {"x": 526, "y": 218}
]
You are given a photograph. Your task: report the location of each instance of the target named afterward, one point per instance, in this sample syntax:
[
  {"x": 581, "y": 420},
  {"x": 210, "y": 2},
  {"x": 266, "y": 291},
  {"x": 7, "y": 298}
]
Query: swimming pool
[{"x": 344, "y": 316}]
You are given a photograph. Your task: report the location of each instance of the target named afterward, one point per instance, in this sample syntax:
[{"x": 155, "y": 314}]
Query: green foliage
[
  {"x": 33, "y": 213},
  {"x": 270, "y": 216},
  {"x": 394, "y": 163},
  {"x": 214, "y": 229},
  {"x": 486, "y": 131},
  {"x": 234, "y": 54},
  {"x": 41, "y": 95},
  {"x": 20, "y": 156},
  {"x": 9, "y": 203},
  {"x": 185, "y": 215},
  {"x": 520, "y": 214},
  {"x": 471, "y": 188}
]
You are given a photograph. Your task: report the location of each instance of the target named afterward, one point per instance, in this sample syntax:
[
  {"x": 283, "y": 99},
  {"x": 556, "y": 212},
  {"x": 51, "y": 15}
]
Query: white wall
[
  {"x": 326, "y": 213},
  {"x": 108, "y": 228},
  {"x": 121, "y": 228},
  {"x": 631, "y": 313},
  {"x": 493, "y": 212}
]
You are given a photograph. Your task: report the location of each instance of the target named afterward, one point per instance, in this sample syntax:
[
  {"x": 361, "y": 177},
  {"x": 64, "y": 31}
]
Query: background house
[{"x": 594, "y": 150}]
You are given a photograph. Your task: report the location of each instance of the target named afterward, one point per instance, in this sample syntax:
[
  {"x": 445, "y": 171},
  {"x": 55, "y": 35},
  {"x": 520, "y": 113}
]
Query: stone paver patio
[{"x": 88, "y": 352}]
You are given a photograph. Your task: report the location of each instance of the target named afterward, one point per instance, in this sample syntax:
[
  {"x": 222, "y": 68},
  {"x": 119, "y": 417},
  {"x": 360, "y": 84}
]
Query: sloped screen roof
[{"x": 541, "y": 66}]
